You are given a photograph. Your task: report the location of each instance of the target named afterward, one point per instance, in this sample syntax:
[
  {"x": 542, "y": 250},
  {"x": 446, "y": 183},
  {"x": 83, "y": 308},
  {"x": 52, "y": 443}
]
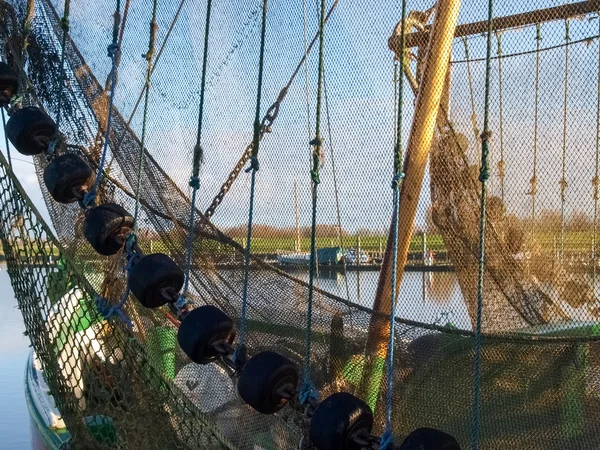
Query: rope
[
  {"x": 148, "y": 56},
  {"x": 64, "y": 25},
  {"x": 470, "y": 78},
  {"x": 534, "y": 179},
  {"x": 335, "y": 188},
  {"x": 596, "y": 179},
  {"x": 23, "y": 79},
  {"x": 240, "y": 353},
  {"x": 197, "y": 161},
  {"x": 484, "y": 175},
  {"x": 113, "y": 53},
  {"x": 6, "y": 138},
  {"x": 158, "y": 55},
  {"x": 501, "y": 165},
  {"x": 563, "y": 180},
  {"x": 306, "y": 88},
  {"x": 308, "y": 392},
  {"x": 107, "y": 311},
  {"x": 387, "y": 439}
]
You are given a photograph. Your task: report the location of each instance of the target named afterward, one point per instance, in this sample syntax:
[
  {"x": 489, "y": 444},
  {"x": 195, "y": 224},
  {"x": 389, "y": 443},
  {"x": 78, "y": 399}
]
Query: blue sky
[{"x": 359, "y": 73}]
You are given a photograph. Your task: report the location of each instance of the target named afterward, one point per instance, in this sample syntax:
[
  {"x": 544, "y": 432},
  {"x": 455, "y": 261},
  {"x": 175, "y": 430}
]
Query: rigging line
[
  {"x": 501, "y": 163},
  {"x": 534, "y": 179},
  {"x": 197, "y": 161},
  {"x": 148, "y": 56},
  {"x": 483, "y": 177},
  {"x": 268, "y": 121},
  {"x": 596, "y": 180},
  {"x": 158, "y": 55},
  {"x": 240, "y": 353},
  {"x": 387, "y": 439},
  {"x": 4, "y": 121},
  {"x": 113, "y": 50},
  {"x": 563, "y": 181},
  {"x": 306, "y": 88},
  {"x": 308, "y": 392},
  {"x": 6, "y": 138},
  {"x": 470, "y": 78},
  {"x": 585, "y": 40},
  {"x": 335, "y": 188},
  {"x": 23, "y": 79},
  {"x": 64, "y": 24}
]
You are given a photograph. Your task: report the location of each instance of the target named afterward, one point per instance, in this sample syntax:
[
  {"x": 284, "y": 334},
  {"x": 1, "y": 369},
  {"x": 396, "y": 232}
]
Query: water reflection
[{"x": 428, "y": 297}]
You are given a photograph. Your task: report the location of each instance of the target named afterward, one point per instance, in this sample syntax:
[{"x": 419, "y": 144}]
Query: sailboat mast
[{"x": 297, "y": 246}]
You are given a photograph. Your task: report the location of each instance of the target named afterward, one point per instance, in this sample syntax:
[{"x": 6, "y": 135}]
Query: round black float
[
  {"x": 155, "y": 280},
  {"x": 205, "y": 334},
  {"x": 341, "y": 422},
  {"x": 268, "y": 381},
  {"x": 30, "y": 130},
  {"x": 9, "y": 84},
  {"x": 429, "y": 439},
  {"x": 106, "y": 227},
  {"x": 68, "y": 178}
]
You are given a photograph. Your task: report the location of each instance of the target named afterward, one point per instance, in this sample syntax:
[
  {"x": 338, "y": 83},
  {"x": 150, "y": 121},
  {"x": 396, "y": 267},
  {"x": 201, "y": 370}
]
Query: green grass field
[{"x": 368, "y": 243}]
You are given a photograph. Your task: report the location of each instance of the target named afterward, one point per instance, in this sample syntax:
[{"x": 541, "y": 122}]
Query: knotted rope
[
  {"x": 113, "y": 53},
  {"x": 197, "y": 161},
  {"x": 484, "y": 175},
  {"x": 240, "y": 353},
  {"x": 387, "y": 439},
  {"x": 308, "y": 392}
]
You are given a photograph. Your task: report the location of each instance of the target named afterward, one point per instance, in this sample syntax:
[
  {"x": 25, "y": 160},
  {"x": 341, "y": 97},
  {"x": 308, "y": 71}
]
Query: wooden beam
[
  {"x": 427, "y": 106},
  {"x": 503, "y": 23}
]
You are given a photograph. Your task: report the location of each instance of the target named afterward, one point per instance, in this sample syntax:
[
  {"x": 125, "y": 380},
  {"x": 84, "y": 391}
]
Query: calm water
[
  {"x": 14, "y": 418},
  {"x": 426, "y": 297}
]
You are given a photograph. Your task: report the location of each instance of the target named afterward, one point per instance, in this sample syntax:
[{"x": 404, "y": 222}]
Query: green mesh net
[{"x": 540, "y": 379}]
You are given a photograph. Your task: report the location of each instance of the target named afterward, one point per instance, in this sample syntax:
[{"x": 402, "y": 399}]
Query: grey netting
[{"x": 541, "y": 383}]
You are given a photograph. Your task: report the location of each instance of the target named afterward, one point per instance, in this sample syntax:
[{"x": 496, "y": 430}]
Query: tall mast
[{"x": 297, "y": 246}]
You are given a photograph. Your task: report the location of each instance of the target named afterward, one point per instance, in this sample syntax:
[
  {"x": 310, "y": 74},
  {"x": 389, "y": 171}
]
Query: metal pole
[{"x": 419, "y": 144}]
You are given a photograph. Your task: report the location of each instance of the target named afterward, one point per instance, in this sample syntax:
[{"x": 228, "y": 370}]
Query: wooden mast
[{"x": 419, "y": 144}]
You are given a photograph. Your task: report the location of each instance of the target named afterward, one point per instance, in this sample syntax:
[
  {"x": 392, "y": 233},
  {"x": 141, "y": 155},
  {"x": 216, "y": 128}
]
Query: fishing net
[{"x": 540, "y": 383}]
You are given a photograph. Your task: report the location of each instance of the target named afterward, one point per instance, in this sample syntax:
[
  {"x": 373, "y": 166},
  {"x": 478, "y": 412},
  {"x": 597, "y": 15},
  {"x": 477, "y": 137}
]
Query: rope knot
[
  {"x": 396, "y": 180},
  {"x": 113, "y": 50},
  {"x": 182, "y": 300},
  {"x": 308, "y": 393},
  {"x": 484, "y": 174},
  {"x": 55, "y": 144},
  {"x": 254, "y": 165},
  {"x": 195, "y": 182},
  {"x": 314, "y": 175},
  {"x": 317, "y": 142},
  {"x": 131, "y": 254},
  {"x": 89, "y": 199},
  {"x": 486, "y": 136},
  {"x": 64, "y": 24},
  {"x": 240, "y": 356},
  {"x": 107, "y": 311},
  {"x": 16, "y": 100}
]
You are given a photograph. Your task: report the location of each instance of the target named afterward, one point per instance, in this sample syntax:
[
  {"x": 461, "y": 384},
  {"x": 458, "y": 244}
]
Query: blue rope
[
  {"x": 113, "y": 51},
  {"x": 483, "y": 177},
  {"x": 104, "y": 307},
  {"x": 182, "y": 300},
  {"x": 387, "y": 439},
  {"x": 308, "y": 393},
  {"x": 240, "y": 353},
  {"x": 197, "y": 161}
]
